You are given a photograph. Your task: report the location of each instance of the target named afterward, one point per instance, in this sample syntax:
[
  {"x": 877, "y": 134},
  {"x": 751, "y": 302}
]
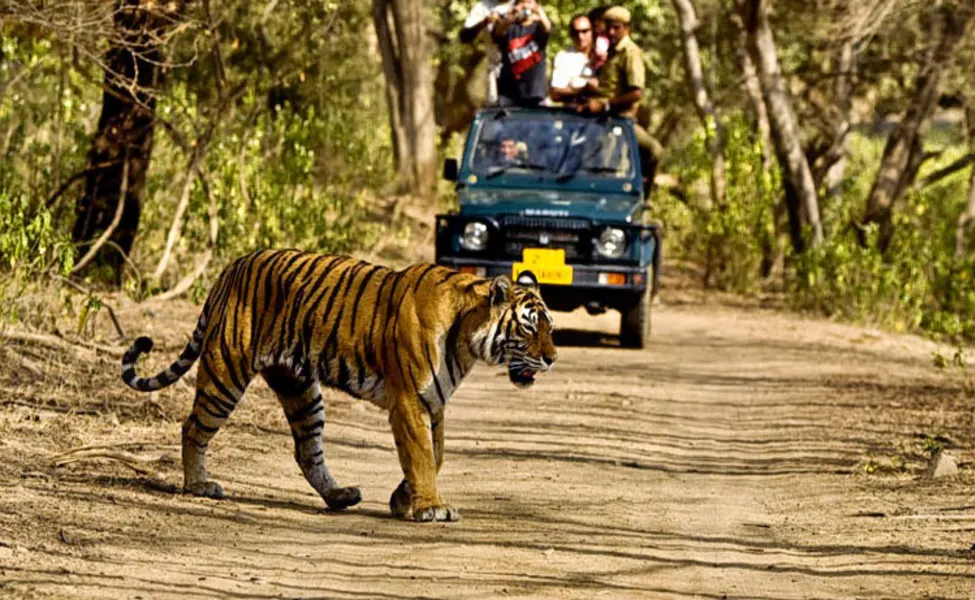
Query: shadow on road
[{"x": 585, "y": 338}]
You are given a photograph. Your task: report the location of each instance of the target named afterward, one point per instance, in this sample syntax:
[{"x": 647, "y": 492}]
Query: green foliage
[
  {"x": 295, "y": 159},
  {"x": 918, "y": 284},
  {"x": 730, "y": 240},
  {"x": 843, "y": 278},
  {"x": 957, "y": 364},
  {"x": 931, "y": 445},
  {"x": 739, "y": 231},
  {"x": 89, "y": 310},
  {"x": 42, "y": 137},
  {"x": 46, "y": 118},
  {"x": 301, "y": 151},
  {"x": 30, "y": 247},
  {"x": 283, "y": 178}
]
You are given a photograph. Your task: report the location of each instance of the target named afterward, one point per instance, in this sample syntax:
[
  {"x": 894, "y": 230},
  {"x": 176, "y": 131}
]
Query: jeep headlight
[
  {"x": 611, "y": 243},
  {"x": 475, "y": 236}
]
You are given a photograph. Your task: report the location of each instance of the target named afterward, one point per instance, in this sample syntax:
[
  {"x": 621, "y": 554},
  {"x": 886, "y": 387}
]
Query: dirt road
[{"x": 747, "y": 454}]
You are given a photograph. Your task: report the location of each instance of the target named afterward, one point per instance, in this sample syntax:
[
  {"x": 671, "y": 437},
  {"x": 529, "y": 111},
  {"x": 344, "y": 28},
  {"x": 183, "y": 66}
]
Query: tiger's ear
[
  {"x": 527, "y": 279},
  {"x": 500, "y": 290}
]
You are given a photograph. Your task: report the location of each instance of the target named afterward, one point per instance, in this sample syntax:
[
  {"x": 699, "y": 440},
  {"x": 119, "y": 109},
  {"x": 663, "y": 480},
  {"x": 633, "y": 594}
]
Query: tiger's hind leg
[
  {"x": 305, "y": 410},
  {"x": 217, "y": 395}
]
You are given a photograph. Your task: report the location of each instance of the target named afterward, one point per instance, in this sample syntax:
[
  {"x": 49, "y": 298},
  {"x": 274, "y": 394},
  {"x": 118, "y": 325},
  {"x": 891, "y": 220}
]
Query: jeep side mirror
[{"x": 450, "y": 169}]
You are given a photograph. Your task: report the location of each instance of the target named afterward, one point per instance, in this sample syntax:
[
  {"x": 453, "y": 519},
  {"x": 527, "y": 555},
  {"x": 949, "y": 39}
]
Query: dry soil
[{"x": 748, "y": 453}]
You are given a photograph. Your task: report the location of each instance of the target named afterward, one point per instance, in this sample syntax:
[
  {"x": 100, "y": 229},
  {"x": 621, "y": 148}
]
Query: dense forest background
[{"x": 821, "y": 149}]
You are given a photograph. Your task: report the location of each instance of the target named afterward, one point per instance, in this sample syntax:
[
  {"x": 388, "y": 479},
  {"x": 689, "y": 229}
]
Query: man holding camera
[{"x": 522, "y": 36}]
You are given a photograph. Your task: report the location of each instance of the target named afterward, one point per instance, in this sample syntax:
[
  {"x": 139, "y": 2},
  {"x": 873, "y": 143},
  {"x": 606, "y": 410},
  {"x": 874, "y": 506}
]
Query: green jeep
[{"x": 561, "y": 195}]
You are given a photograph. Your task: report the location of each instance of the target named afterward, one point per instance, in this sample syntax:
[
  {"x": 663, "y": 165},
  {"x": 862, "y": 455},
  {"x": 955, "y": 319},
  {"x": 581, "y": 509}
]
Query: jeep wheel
[{"x": 635, "y": 322}]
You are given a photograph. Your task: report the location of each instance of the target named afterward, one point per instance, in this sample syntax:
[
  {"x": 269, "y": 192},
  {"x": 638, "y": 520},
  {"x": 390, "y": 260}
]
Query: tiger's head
[{"x": 519, "y": 335}]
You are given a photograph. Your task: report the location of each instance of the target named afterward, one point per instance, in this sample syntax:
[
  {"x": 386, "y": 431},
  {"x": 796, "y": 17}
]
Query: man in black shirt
[{"x": 522, "y": 37}]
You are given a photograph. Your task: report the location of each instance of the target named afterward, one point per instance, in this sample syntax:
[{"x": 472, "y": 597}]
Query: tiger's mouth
[{"x": 522, "y": 377}]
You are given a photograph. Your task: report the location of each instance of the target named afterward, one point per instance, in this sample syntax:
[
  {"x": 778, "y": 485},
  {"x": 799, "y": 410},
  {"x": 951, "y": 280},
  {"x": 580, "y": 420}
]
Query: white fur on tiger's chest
[{"x": 441, "y": 383}]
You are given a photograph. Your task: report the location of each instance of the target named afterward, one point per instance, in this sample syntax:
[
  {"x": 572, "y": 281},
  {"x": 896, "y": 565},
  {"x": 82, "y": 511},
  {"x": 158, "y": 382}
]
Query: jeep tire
[{"x": 635, "y": 321}]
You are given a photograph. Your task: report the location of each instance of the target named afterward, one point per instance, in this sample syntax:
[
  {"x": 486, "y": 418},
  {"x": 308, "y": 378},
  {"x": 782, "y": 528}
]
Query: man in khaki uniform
[{"x": 621, "y": 82}]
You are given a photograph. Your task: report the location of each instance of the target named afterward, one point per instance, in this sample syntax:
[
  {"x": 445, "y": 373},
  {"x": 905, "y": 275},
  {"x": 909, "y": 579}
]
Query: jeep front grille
[{"x": 572, "y": 235}]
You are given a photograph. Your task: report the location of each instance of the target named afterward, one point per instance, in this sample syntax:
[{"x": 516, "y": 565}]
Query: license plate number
[{"x": 546, "y": 264}]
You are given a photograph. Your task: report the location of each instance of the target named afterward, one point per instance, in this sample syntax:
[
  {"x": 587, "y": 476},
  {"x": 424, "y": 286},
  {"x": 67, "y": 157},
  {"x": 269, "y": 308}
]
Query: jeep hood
[{"x": 554, "y": 203}]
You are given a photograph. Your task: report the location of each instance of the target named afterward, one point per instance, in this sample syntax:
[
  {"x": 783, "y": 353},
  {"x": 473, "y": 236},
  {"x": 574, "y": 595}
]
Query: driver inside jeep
[{"x": 512, "y": 151}]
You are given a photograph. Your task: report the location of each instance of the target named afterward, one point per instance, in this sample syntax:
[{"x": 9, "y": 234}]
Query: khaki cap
[{"x": 617, "y": 14}]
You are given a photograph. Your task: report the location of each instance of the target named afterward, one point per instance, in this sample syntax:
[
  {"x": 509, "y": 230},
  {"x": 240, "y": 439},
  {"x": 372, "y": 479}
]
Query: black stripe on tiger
[
  {"x": 433, "y": 373},
  {"x": 302, "y": 413},
  {"x": 168, "y": 376}
]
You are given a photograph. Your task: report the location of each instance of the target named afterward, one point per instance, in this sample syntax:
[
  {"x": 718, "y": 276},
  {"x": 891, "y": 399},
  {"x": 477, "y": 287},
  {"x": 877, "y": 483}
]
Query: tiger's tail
[{"x": 171, "y": 374}]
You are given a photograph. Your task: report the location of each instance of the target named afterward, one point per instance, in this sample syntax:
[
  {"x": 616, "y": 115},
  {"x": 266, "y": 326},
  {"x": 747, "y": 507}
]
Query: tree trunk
[
  {"x": 460, "y": 89},
  {"x": 773, "y": 251},
  {"x": 754, "y": 90},
  {"x": 401, "y": 31},
  {"x": 901, "y": 157},
  {"x": 968, "y": 215},
  {"x": 123, "y": 141},
  {"x": 460, "y": 81},
  {"x": 836, "y": 171},
  {"x": 713, "y": 129},
  {"x": 965, "y": 220},
  {"x": 804, "y": 211}
]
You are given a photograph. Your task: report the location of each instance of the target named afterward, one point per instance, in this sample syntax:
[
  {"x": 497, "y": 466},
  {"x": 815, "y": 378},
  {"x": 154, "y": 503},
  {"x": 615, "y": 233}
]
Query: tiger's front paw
[{"x": 435, "y": 512}]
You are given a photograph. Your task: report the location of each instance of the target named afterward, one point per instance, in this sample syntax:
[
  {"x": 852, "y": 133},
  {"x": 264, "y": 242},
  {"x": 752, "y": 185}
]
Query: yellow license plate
[{"x": 546, "y": 264}]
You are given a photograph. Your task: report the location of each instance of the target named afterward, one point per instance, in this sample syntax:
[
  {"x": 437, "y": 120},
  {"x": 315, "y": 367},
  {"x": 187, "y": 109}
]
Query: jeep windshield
[{"x": 554, "y": 145}]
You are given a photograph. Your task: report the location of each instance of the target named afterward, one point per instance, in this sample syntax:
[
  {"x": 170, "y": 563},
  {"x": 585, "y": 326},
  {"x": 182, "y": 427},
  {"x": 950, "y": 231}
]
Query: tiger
[{"x": 401, "y": 339}]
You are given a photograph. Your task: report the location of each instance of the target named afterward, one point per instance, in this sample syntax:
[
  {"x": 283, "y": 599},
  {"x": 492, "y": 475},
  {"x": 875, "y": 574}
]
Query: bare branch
[
  {"x": 139, "y": 464},
  {"x": 18, "y": 359},
  {"x": 199, "y": 151},
  {"x": 707, "y": 113},
  {"x": 862, "y": 19},
  {"x": 187, "y": 281},
  {"x": 86, "y": 25},
  {"x": 77, "y": 176},
  {"x": 177, "y": 224},
  {"x": 119, "y": 208},
  {"x": 184, "y": 284},
  {"x": 943, "y": 172},
  {"x": 220, "y": 81}
]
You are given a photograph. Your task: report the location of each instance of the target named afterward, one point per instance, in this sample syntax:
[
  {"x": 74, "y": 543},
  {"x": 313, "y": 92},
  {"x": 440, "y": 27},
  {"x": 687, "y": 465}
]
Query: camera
[{"x": 523, "y": 14}]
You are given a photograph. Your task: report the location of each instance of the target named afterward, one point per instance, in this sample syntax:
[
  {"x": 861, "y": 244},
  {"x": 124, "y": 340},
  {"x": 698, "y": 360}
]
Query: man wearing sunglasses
[{"x": 572, "y": 71}]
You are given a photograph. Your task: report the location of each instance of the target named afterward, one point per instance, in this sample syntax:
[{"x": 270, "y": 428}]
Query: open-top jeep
[{"x": 561, "y": 195}]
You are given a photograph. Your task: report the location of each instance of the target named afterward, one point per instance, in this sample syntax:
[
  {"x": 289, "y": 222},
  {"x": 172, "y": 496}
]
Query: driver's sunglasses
[{"x": 577, "y": 32}]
